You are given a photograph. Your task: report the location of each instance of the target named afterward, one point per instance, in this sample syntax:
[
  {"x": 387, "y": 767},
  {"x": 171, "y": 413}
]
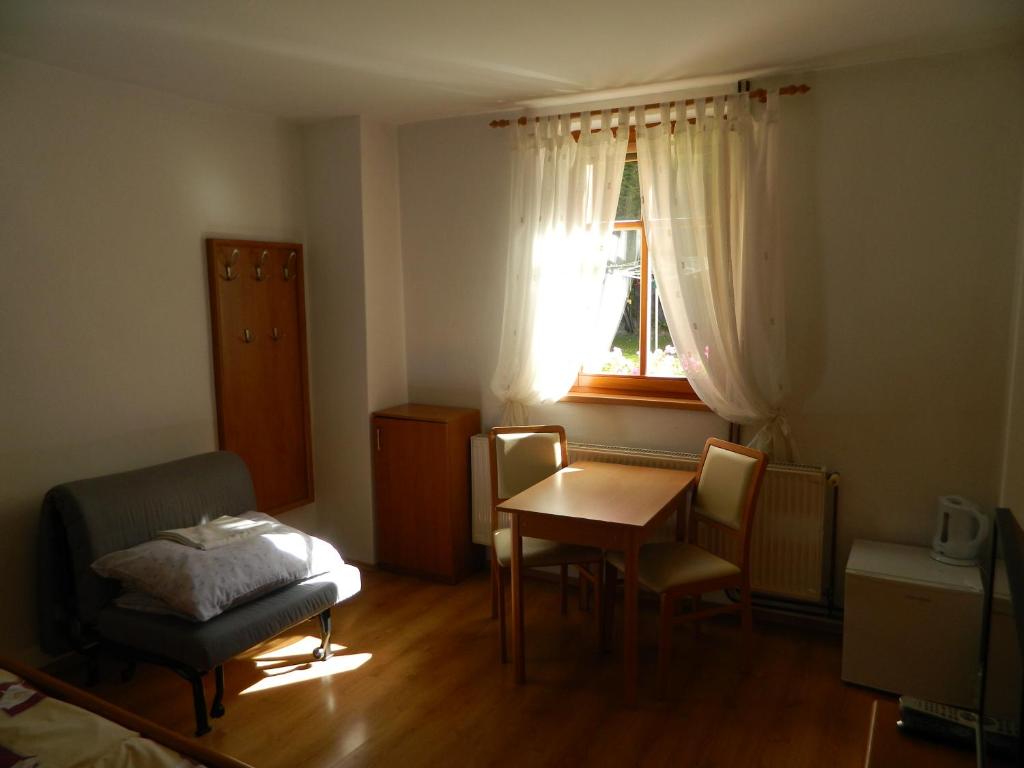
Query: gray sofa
[{"x": 86, "y": 519}]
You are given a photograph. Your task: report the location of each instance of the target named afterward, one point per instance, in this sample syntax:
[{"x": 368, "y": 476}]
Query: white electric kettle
[{"x": 960, "y": 532}]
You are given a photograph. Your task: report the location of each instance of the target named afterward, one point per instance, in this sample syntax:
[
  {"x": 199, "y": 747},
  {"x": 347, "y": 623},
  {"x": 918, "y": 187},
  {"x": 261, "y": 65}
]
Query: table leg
[
  {"x": 518, "y": 658},
  {"x": 631, "y": 588}
]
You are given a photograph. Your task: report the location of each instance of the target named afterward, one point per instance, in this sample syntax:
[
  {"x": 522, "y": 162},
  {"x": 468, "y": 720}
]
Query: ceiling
[{"x": 402, "y": 61}]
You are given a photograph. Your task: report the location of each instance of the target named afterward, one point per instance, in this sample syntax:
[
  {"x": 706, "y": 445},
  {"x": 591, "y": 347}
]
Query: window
[{"x": 641, "y": 366}]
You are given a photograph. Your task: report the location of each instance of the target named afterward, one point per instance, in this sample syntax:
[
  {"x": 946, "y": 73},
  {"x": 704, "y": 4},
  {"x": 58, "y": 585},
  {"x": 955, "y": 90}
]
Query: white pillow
[
  {"x": 140, "y": 601},
  {"x": 204, "y": 583}
]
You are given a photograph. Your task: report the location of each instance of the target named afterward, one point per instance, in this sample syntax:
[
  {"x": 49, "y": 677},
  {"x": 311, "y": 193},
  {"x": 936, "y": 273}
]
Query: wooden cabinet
[{"x": 421, "y": 490}]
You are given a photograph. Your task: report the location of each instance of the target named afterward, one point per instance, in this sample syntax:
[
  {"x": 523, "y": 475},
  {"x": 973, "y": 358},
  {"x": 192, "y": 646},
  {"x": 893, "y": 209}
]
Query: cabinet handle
[{"x": 378, "y": 438}]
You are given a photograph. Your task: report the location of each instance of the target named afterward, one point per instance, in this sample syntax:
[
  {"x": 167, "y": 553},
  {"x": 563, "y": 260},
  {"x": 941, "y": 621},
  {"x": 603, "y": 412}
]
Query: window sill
[{"x": 643, "y": 401}]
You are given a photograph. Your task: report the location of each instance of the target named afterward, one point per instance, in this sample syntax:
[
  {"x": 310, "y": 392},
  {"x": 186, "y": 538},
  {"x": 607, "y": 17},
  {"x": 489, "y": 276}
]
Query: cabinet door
[{"x": 411, "y": 486}]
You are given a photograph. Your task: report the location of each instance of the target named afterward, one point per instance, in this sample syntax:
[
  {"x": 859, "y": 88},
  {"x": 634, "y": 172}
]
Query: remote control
[
  {"x": 937, "y": 721},
  {"x": 956, "y": 726}
]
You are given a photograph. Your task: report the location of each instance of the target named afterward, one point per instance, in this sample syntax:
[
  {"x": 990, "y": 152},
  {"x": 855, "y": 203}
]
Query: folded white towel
[{"x": 218, "y": 532}]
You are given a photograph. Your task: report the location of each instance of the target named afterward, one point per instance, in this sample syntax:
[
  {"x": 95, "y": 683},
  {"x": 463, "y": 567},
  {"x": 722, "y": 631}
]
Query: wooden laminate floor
[{"x": 418, "y": 682}]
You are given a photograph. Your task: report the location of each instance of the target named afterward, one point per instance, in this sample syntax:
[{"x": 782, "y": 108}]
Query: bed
[{"x": 48, "y": 723}]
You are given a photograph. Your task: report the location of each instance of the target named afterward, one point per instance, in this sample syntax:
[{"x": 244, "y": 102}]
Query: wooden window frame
[{"x": 633, "y": 389}]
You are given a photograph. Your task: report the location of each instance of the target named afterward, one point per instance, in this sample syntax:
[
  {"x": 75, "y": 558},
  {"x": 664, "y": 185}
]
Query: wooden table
[{"x": 611, "y": 506}]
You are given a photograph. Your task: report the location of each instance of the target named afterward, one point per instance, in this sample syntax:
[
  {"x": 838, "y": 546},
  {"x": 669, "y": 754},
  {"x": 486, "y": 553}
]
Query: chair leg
[
  {"x": 502, "y": 579},
  {"x": 128, "y": 672},
  {"x": 217, "y": 709},
  {"x": 747, "y": 623},
  {"x": 664, "y": 642},
  {"x": 495, "y": 584},
  {"x": 92, "y": 666},
  {"x": 611, "y": 577},
  {"x": 199, "y": 703},
  {"x": 563, "y": 584}
]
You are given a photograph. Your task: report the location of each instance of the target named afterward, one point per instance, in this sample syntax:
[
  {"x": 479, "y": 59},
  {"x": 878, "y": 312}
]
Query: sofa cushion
[{"x": 210, "y": 643}]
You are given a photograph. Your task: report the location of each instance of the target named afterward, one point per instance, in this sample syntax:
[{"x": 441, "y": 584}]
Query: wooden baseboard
[{"x": 799, "y": 620}]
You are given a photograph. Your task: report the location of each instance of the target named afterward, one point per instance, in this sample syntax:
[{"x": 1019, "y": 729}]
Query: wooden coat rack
[{"x": 257, "y": 307}]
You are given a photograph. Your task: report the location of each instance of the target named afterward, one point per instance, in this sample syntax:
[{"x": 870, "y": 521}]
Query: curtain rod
[{"x": 760, "y": 94}]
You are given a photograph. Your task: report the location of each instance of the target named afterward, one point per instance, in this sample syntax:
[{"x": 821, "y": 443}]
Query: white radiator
[{"x": 790, "y": 526}]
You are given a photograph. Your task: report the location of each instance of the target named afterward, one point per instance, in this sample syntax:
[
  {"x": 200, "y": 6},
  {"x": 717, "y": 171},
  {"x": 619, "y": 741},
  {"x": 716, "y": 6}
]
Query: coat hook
[
  {"x": 258, "y": 269},
  {"x": 276, "y": 334},
  {"x": 229, "y": 263},
  {"x": 248, "y": 337},
  {"x": 288, "y": 273}
]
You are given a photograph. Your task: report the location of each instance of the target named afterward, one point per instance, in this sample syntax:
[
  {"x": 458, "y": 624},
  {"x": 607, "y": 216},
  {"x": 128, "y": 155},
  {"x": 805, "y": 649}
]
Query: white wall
[
  {"x": 385, "y": 296},
  {"x": 904, "y": 208},
  {"x": 903, "y": 183},
  {"x": 1012, "y": 486},
  {"x": 109, "y": 191},
  {"x": 337, "y": 334},
  {"x": 357, "y": 320}
]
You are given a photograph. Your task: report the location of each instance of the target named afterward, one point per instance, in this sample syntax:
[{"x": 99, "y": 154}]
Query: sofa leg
[
  {"x": 92, "y": 669},
  {"x": 199, "y": 702},
  {"x": 324, "y": 650},
  {"x": 217, "y": 710}
]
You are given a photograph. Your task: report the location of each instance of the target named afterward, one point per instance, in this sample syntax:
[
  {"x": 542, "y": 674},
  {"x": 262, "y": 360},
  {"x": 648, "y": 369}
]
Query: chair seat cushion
[
  {"x": 668, "y": 564},
  {"x": 538, "y": 552}
]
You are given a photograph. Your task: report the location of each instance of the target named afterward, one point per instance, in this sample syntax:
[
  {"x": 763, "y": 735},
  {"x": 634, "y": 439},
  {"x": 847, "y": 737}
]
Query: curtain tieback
[
  {"x": 778, "y": 419},
  {"x": 515, "y": 413}
]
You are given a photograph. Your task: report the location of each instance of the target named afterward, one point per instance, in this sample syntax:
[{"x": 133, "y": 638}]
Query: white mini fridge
[{"x": 911, "y": 625}]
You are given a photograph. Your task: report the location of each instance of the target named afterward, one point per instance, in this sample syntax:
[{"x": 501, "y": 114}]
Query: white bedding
[
  {"x": 218, "y": 532},
  {"x": 200, "y": 584},
  {"x": 55, "y": 734}
]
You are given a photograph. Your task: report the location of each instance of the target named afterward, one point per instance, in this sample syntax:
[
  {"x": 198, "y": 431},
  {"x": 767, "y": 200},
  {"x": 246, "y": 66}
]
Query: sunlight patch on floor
[
  {"x": 294, "y": 664},
  {"x": 304, "y": 647}
]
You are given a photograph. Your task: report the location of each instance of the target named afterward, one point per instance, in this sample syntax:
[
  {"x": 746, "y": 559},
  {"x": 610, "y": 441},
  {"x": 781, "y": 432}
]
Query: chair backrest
[
  {"x": 521, "y": 457},
  {"x": 727, "y": 486}
]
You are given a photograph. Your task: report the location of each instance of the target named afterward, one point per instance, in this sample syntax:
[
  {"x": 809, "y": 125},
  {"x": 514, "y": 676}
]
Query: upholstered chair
[
  {"x": 727, "y": 485},
  {"x": 521, "y": 457}
]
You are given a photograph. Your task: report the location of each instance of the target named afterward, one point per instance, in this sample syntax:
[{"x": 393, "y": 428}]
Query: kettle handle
[{"x": 984, "y": 523}]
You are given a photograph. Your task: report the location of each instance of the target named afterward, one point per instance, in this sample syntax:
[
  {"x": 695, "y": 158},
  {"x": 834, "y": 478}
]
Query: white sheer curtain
[
  {"x": 564, "y": 196},
  {"x": 613, "y": 301},
  {"x": 709, "y": 207}
]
